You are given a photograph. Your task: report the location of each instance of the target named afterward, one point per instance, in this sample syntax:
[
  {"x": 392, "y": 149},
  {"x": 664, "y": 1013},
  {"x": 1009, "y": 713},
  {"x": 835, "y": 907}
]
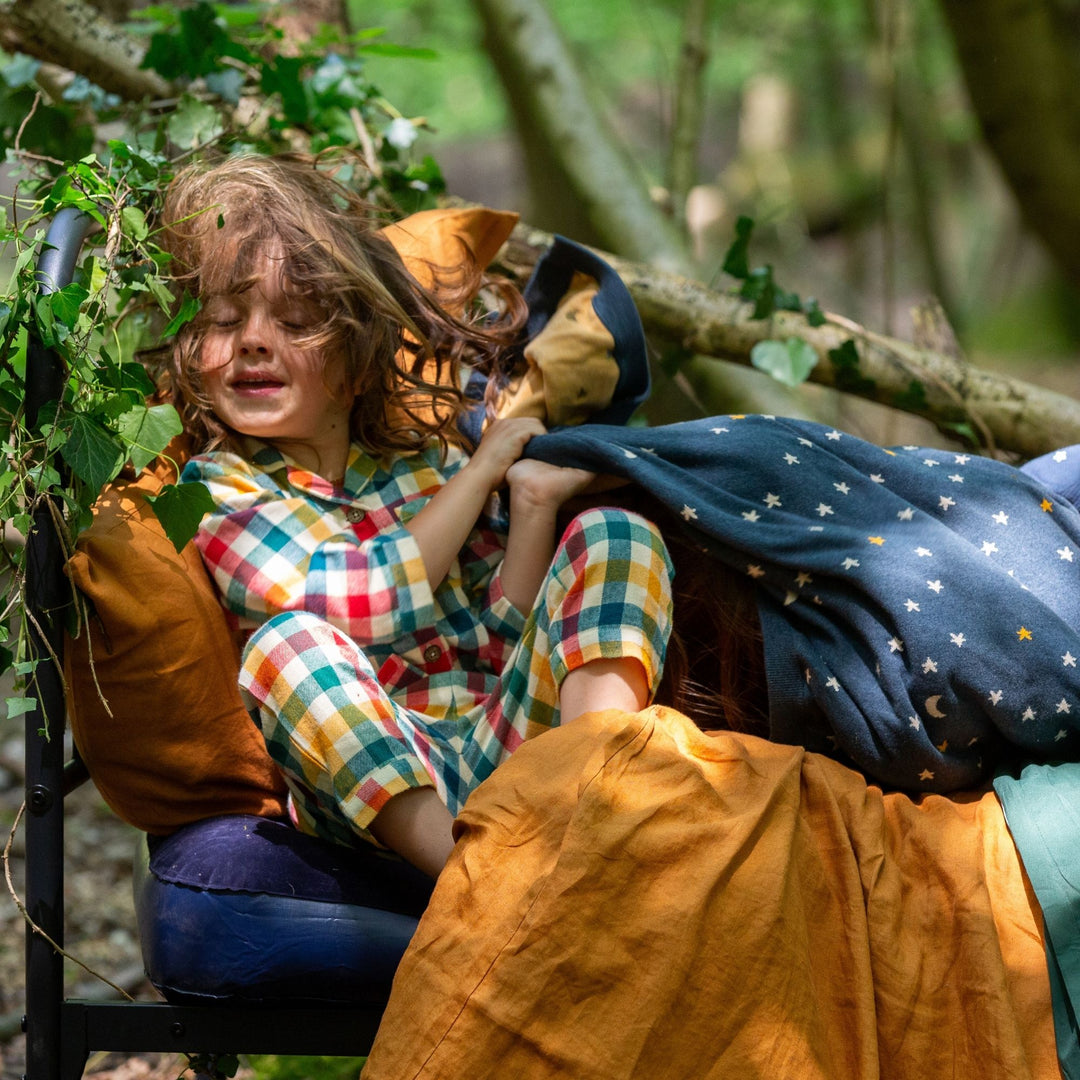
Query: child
[{"x": 402, "y": 647}]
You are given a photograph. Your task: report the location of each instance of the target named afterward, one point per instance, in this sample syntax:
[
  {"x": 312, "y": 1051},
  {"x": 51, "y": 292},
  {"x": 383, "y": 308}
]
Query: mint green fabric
[{"x": 1042, "y": 809}]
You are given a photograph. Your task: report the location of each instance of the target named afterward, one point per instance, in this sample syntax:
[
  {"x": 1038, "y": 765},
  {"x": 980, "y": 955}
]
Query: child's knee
[{"x": 614, "y": 535}]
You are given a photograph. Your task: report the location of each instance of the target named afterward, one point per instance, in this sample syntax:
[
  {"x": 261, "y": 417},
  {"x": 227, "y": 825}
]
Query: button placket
[{"x": 355, "y": 514}]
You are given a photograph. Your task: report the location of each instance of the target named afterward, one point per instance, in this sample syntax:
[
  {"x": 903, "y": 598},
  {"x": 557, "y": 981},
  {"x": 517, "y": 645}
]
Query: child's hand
[
  {"x": 536, "y": 483},
  {"x": 500, "y": 446}
]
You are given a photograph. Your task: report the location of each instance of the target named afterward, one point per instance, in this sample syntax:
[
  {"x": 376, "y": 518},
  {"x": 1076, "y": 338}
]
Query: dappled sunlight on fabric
[{"x": 632, "y": 897}]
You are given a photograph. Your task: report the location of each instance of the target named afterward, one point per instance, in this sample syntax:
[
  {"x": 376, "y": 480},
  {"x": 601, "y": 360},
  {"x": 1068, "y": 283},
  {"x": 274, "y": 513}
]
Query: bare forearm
[
  {"x": 530, "y": 547},
  {"x": 443, "y": 526}
]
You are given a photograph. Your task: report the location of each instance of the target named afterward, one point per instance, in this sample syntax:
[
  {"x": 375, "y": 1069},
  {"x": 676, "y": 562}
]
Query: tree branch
[
  {"x": 1014, "y": 416},
  {"x": 80, "y": 38}
]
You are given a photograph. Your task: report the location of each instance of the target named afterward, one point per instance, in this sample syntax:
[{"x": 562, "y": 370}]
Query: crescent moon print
[{"x": 932, "y": 706}]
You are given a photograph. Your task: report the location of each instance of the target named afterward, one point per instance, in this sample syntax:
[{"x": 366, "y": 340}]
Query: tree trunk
[
  {"x": 1021, "y": 62},
  {"x": 1008, "y": 415},
  {"x": 557, "y": 122}
]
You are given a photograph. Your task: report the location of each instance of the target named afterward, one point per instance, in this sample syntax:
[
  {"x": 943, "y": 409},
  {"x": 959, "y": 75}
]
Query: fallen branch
[{"x": 1014, "y": 416}]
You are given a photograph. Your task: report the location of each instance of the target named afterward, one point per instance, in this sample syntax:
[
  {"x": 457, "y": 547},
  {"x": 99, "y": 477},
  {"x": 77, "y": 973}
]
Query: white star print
[
  {"x": 930, "y": 462},
  {"x": 823, "y": 509},
  {"x": 834, "y": 435},
  {"x": 720, "y": 430},
  {"x": 832, "y": 683},
  {"x": 805, "y": 442},
  {"x": 1060, "y": 735},
  {"x": 1001, "y": 517},
  {"x": 803, "y": 578},
  {"x": 895, "y": 645},
  {"x": 877, "y": 478},
  {"x": 911, "y": 605},
  {"x": 1063, "y": 706},
  {"x": 751, "y": 515},
  {"x": 1061, "y": 455},
  {"x": 961, "y": 459},
  {"x": 914, "y": 722},
  {"x": 790, "y": 598},
  {"x": 926, "y": 774},
  {"x": 995, "y": 697},
  {"x": 935, "y": 586},
  {"x": 956, "y": 478},
  {"x": 923, "y": 553},
  {"x": 808, "y": 675},
  {"x": 842, "y": 488},
  {"x": 906, "y": 514},
  {"x": 629, "y": 453},
  {"x": 958, "y": 640},
  {"x": 816, "y": 528},
  {"x": 849, "y": 563},
  {"x": 909, "y": 448},
  {"x": 772, "y": 501},
  {"x": 1065, "y": 553},
  {"x": 929, "y": 665},
  {"x": 690, "y": 514},
  {"x": 1029, "y": 714},
  {"x": 988, "y": 548},
  {"x": 755, "y": 571},
  {"x": 791, "y": 459},
  {"x": 945, "y": 502},
  {"x": 1068, "y": 660}
]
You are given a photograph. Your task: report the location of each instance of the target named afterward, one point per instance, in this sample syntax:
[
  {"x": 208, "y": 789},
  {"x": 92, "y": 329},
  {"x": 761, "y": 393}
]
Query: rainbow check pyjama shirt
[{"x": 367, "y": 681}]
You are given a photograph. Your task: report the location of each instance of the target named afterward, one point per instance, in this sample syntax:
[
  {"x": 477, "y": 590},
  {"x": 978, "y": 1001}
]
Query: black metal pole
[{"x": 47, "y": 594}]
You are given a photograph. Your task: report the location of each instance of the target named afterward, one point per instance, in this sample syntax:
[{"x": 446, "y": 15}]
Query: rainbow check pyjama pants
[{"x": 345, "y": 747}]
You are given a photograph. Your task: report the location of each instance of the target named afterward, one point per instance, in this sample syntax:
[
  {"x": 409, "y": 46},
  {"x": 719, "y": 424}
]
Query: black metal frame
[{"x": 61, "y": 1034}]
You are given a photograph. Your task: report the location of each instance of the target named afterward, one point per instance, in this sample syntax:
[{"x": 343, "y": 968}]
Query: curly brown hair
[{"x": 402, "y": 348}]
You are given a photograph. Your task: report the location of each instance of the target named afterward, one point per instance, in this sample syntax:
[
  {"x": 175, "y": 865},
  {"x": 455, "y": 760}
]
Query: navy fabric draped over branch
[{"x": 919, "y": 606}]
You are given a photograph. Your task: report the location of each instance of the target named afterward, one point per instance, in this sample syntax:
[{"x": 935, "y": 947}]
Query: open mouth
[{"x": 251, "y": 384}]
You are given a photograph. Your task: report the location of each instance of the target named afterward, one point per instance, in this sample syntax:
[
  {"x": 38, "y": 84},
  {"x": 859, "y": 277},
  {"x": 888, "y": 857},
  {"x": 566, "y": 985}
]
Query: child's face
[{"x": 261, "y": 383}]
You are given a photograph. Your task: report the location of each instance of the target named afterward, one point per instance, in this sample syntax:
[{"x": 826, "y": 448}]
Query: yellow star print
[
  {"x": 1047, "y": 505},
  {"x": 1024, "y": 634},
  {"x": 879, "y": 540}
]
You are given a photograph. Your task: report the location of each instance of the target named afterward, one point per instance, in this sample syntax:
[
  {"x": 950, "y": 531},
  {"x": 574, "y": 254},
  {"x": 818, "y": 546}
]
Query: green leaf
[
  {"x": 66, "y": 302},
  {"x": 194, "y": 123},
  {"x": 180, "y": 508},
  {"x": 19, "y": 706},
  {"x": 737, "y": 261},
  {"x": 134, "y": 222},
  {"x": 913, "y": 398},
  {"x": 94, "y": 453},
  {"x": 846, "y": 370},
  {"x": 789, "y": 362},
  {"x": 760, "y": 287},
  {"x": 814, "y": 315},
  {"x": 189, "y": 308},
  {"x": 20, "y": 70},
  {"x": 149, "y": 431}
]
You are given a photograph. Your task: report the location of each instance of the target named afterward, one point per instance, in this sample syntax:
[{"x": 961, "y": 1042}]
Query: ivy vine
[{"x": 238, "y": 89}]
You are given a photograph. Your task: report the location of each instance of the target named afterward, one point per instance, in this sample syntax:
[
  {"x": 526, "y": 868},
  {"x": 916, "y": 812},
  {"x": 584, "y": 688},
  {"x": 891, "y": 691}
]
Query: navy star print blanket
[{"x": 920, "y": 607}]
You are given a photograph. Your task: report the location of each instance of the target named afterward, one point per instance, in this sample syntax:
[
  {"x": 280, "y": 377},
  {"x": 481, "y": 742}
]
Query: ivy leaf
[
  {"x": 180, "y": 508},
  {"x": 94, "y": 453},
  {"x": 789, "y": 362},
  {"x": 66, "y": 302},
  {"x": 134, "y": 222},
  {"x": 194, "y": 123},
  {"x": 737, "y": 259},
  {"x": 148, "y": 432},
  {"x": 19, "y": 706},
  {"x": 189, "y": 308}
]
